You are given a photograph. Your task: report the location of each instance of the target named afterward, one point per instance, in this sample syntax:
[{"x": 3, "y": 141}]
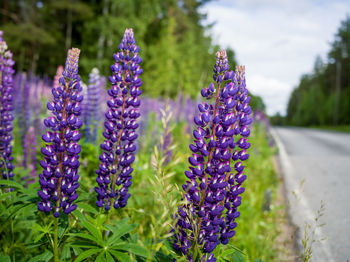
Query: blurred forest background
[
  {"x": 176, "y": 48},
  {"x": 322, "y": 97}
]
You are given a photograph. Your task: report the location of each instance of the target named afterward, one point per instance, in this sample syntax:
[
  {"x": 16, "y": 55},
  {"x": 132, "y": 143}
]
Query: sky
[{"x": 277, "y": 40}]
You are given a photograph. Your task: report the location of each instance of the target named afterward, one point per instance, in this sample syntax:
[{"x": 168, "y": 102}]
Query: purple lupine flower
[
  {"x": 24, "y": 113},
  {"x": 207, "y": 216},
  {"x": 6, "y": 108},
  {"x": 18, "y": 82},
  {"x": 59, "y": 179},
  {"x": 29, "y": 152},
  {"x": 92, "y": 111},
  {"x": 114, "y": 173}
]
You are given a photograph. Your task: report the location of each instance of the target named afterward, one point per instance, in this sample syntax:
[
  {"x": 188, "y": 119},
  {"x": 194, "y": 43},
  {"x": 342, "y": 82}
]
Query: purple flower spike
[
  {"x": 114, "y": 173},
  {"x": 59, "y": 179},
  {"x": 91, "y": 118},
  {"x": 29, "y": 153},
  {"x": 6, "y": 108},
  {"x": 207, "y": 215}
]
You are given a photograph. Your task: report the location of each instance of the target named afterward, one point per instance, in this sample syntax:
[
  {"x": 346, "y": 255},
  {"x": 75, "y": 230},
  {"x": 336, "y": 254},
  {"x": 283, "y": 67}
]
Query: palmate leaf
[{"x": 87, "y": 253}]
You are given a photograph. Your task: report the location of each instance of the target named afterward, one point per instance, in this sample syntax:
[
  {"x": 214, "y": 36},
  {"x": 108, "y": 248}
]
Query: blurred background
[
  {"x": 296, "y": 53},
  {"x": 176, "y": 45},
  {"x": 297, "y": 57}
]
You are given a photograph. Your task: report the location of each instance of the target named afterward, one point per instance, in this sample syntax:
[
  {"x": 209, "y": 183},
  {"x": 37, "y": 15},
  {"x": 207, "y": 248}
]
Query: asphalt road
[{"x": 322, "y": 160}]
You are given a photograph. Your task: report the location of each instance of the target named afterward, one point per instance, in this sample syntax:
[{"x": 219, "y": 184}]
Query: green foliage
[
  {"x": 176, "y": 51},
  {"x": 323, "y": 97},
  {"x": 256, "y": 232},
  {"x": 141, "y": 230}
]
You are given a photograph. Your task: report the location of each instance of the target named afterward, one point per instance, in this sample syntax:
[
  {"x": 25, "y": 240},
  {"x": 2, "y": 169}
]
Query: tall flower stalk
[
  {"x": 29, "y": 153},
  {"x": 114, "y": 173},
  {"x": 92, "y": 109},
  {"x": 207, "y": 214},
  {"x": 59, "y": 179},
  {"x": 24, "y": 112},
  {"x": 6, "y": 108}
]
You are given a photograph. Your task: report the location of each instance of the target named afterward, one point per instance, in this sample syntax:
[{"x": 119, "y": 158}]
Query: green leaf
[
  {"x": 19, "y": 209},
  {"x": 63, "y": 225},
  {"x": 161, "y": 257},
  {"x": 237, "y": 257},
  {"x": 100, "y": 257},
  {"x": 46, "y": 256},
  {"x": 132, "y": 248},
  {"x": 90, "y": 227},
  {"x": 119, "y": 232},
  {"x": 87, "y": 253},
  {"x": 76, "y": 250},
  {"x": 65, "y": 253},
  {"x": 85, "y": 236},
  {"x": 38, "y": 237},
  {"x": 87, "y": 207},
  {"x": 120, "y": 255},
  {"x": 227, "y": 252},
  {"x": 109, "y": 257},
  {"x": 29, "y": 246},
  {"x": 83, "y": 244},
  {"x": 30, "y": 192},
  {"x": 10, "y": 183}
]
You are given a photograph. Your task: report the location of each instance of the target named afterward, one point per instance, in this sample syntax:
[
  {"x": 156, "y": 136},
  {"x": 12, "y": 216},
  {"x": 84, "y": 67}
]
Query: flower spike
[
  {"x": 207, "y": 214},
  {"x": 114, "y": 173},
  {"x": 59, "y": 179},
  {"x": 6, "y": 108}
]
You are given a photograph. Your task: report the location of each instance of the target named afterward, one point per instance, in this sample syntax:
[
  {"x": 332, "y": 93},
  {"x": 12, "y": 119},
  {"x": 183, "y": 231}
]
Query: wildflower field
[{"x": 99, "y": 172}]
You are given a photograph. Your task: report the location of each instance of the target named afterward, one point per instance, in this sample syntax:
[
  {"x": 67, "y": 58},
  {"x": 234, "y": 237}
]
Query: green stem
[
  {"x": 195, "y": 251},
  {"x": 55, "y": 242}
]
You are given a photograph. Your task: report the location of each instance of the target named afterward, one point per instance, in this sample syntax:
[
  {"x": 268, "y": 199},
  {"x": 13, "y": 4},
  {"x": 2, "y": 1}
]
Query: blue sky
[{"x": 278, "y": 41}]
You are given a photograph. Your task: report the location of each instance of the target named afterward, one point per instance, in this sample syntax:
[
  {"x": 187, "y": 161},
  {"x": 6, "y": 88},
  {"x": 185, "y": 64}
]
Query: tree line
[{"x": 323, "y": 96}]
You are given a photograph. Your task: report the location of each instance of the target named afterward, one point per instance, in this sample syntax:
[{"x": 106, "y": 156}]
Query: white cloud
[
  {"x": 270, "y": 90},
  {"x": 276, "y": 40}
]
